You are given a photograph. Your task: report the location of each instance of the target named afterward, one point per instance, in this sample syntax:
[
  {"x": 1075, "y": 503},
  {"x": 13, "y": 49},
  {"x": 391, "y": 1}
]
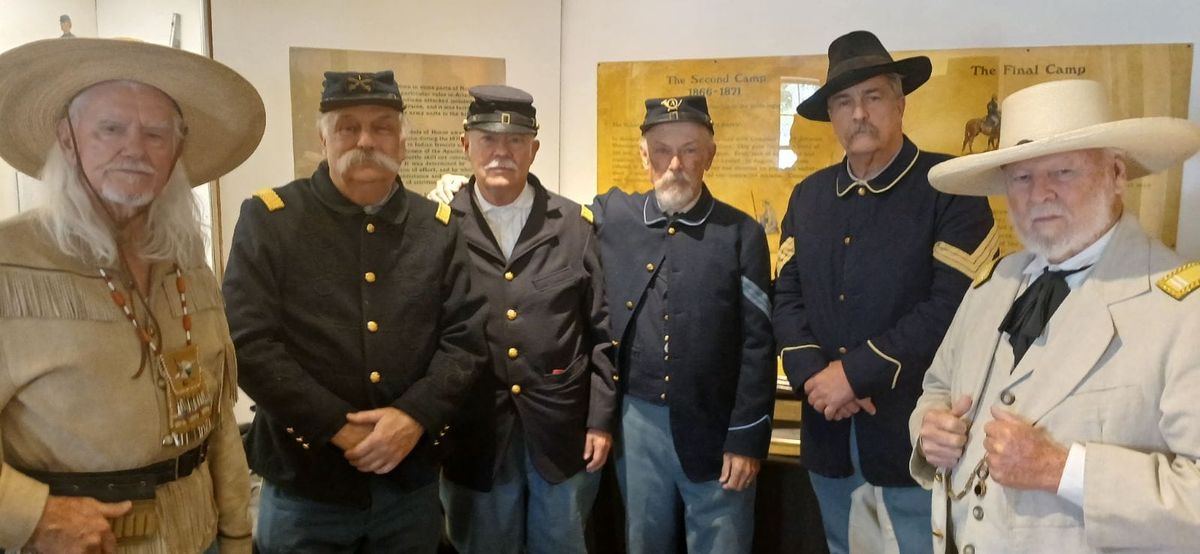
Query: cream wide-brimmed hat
[
  {"x": 222, "y": 111},
  {"x": 1063, "y": 116}
]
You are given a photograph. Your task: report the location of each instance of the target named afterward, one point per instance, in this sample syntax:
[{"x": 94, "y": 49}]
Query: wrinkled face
[
  {"x": 867, "y": 117},
  {"x": 675, "y": 156},
  {"x": 126, "y": 140},
  {"x": 1061, "y": 203},
  {"x": 364, "y": 146},
  {"x": 501, "y": 161}
]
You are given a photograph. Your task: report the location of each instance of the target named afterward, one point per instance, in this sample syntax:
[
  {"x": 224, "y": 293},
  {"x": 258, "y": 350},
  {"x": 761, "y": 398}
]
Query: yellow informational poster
[
  {"x": 435, "y": 95},
  {"x": 764, "y": 148}
]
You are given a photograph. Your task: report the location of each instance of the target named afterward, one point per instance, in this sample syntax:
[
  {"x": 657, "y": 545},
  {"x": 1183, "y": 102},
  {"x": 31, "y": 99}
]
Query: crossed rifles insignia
[
  {"x": 365, "y": 82},
  {"x": 672, "y": 104}
]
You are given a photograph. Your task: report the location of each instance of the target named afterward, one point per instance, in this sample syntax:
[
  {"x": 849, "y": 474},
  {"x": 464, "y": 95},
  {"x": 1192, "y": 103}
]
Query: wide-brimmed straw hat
[
  {"x": 1064, "y": 116},
  {"x": 855, "y": 57},
  {"x": 222, "y": 111}
]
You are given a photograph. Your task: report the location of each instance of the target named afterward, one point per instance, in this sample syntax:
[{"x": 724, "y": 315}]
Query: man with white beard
[
  {"x": 1059, "y": 413},
  {"x": 357, "y": 333},
  {"x": 696, "y": 366},
  {"x": 117, "y": 374}
]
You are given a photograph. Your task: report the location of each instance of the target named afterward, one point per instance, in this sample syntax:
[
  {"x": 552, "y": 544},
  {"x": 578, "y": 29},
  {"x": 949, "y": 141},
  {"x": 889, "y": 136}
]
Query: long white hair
[{"x": 81, "y": 230}]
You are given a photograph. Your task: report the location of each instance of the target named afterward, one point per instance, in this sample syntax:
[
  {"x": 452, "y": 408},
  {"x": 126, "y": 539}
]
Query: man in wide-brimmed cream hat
[
  {"x": 117, "y": 373},
  {"x": 1059, "y": 414}
]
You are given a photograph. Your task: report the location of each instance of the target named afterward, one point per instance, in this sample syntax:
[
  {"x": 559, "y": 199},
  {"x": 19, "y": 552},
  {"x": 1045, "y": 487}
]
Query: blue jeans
[
  {"x": 523, "y": 512},
  {"x": 656, "y": 490},
  {"x": 396, "y": 521},
  {"x": 907, "y": 507}
]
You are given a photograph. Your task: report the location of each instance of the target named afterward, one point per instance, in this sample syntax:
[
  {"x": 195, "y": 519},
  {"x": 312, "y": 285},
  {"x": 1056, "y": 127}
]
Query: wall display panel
[
  {"x": 435, "y": 95},
  {"x": 764, "y": 148}
]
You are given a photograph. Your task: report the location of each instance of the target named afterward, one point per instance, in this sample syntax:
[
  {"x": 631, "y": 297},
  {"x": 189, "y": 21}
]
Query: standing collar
[
  {"x": 523, "y": 202},
  {"x": 899, "y": 167},
  {"x": 696, "y": 215},
  {"x": 332, "y": 198}
]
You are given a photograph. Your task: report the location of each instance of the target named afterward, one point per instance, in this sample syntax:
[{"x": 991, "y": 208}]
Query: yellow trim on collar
[
  {"x": 270, "y": 198},
  {"x": 1181, "y": 281},
  {"x": 586, "y": 214},
  {"x": 867, "y": 184},
  {"x": 969, "y": 264},
  {"x": 896, "y": 377},
  {"x": 443, "y": 213}
]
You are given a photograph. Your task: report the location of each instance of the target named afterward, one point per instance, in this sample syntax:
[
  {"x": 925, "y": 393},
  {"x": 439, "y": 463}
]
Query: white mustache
[
  {"x": 359, "y": 156},
  {"x": 501, "y": 163},
  {"x": 1046, "y": 210},
  {"x": 131, "y": 166}
]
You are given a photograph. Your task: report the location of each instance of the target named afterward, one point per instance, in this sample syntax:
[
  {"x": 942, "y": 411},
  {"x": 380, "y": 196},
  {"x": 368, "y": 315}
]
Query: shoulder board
[
  {"x": 1181, "y": 281},
  {"x": 270, "y": 198},
  {"x": 443, "y": 213},
  {"x": 985, "y": 272},
  {"x": 586, "y": 213}
]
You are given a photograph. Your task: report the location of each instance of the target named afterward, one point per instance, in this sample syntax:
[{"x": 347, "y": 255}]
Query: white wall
[
  {"x": 151, "y": 21},
  {"x": 623, "y": 30},
  {"x": 253, "y": 37}
]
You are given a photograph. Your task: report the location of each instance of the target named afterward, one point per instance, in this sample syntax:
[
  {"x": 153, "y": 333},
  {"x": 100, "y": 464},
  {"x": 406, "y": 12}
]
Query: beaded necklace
[{"x": 189, "y": 404}]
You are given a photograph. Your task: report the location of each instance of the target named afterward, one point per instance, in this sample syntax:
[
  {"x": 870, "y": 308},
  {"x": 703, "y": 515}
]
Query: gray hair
[
  {"x": 897, "y": 83},
  {"x": 326, "y": 121},
  {"x": 78, "y": 227}
]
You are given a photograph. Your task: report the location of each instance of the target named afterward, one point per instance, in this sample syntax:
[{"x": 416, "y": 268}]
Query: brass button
[
  {"x": 846, "y": 240},
  {"x": 369, "y": 277},
  {"x": 670, "y": 230},
  {"x": 629, "y": 304},
  {"x": 662, "y": 396},
  {"x": 649, "y": 267},
  {"x": 516, "y": 389},
  {"x": 842, "y": 350},
  {"x": 508, "y": 276},
  {"x": 511, "y": 314},
  {"x": 1007, "y": 398},
  {"x": 616, "y": 377},
  {"x": 977, "y": 512},
  {"x": 291, "y": 431},
  {"x": 616, "y": 342},
  {"x": 666, "y": 357},
  {"x": 841, "y": 298},
  {"x": 437, "y": 442},
  {"x": 370, "y": 228},
  {"x": 862, "y": 191},
  {"x": 937, "y": 477},
  {"x": 304, "y": 445},
  {"x": 372, "y": 326},
  {"x": 666, "y": 338},
  {"x": 968, "y": 549},
  {"x": 299, "y": 440},
  {"x": 513, "y": 353},
  {"x": 666, "y": 317},
  {"x": 667, "y": 378},
  {"x": 376, "y": 377}
]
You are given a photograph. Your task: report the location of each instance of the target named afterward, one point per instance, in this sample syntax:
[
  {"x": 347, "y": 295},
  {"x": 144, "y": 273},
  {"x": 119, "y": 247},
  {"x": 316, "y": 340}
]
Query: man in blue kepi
[{"x": 872, "y": 264}]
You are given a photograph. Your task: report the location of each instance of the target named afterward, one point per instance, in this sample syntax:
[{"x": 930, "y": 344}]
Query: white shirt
[
  {"x": 506, "y": 222},
  {"x": 1070, "y": 486}
]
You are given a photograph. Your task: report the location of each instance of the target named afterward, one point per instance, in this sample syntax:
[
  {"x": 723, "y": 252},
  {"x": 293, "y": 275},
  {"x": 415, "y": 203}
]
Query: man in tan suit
[{"x": 1059, "y": 414}]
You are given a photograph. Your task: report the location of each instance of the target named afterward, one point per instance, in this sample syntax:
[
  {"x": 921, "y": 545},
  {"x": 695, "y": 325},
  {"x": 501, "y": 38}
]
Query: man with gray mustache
[
  {"x": 871, "y": 266},
  {"x": 357, "y": 333}
]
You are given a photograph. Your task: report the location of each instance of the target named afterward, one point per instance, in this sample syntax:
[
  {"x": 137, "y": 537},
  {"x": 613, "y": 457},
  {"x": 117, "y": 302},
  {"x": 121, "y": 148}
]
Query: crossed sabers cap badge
[{"x": 365, "y": 82}]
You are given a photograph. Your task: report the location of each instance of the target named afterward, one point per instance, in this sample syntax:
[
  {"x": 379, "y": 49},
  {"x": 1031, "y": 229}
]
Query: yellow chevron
[
  {"x": 786, "y": 251},
  {"x": 271, "y": 199},
  {"x": 969, "y": 264}
]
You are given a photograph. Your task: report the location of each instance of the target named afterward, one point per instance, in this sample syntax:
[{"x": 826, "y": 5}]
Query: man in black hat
[
  {"x": 872, "y": 264},
  {"x": 525, "y": 453},
  {"x": 357, "y": 333}
]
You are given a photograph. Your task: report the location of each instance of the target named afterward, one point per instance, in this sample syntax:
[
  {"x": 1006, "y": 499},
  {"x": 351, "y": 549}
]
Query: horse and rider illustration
[{"x": 988, "y": 126}]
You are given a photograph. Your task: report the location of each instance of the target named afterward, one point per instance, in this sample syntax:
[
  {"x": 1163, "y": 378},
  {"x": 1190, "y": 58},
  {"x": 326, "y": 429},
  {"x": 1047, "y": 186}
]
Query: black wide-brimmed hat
[
  {"x": 855, "y": 57},
  {"x": 501, "y": 109}
]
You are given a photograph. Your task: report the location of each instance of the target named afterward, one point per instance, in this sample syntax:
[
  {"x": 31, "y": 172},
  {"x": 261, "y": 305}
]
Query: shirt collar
[
  {"x": 374, "y": 208},
  {"x": 523, "y": 203},
  {"x": 897, "y": 169},
  {"x": 696, "y": 214},
  {"x": 1085, "y": 258}
]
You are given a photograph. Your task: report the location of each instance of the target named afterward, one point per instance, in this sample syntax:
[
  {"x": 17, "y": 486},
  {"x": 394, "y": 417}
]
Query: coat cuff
[
  {"x": 871, "y": 371},
  {"x": 752, "y": 439},
  {"x": 24, "y": 500},
  {"x": 800, "y": 362}
]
